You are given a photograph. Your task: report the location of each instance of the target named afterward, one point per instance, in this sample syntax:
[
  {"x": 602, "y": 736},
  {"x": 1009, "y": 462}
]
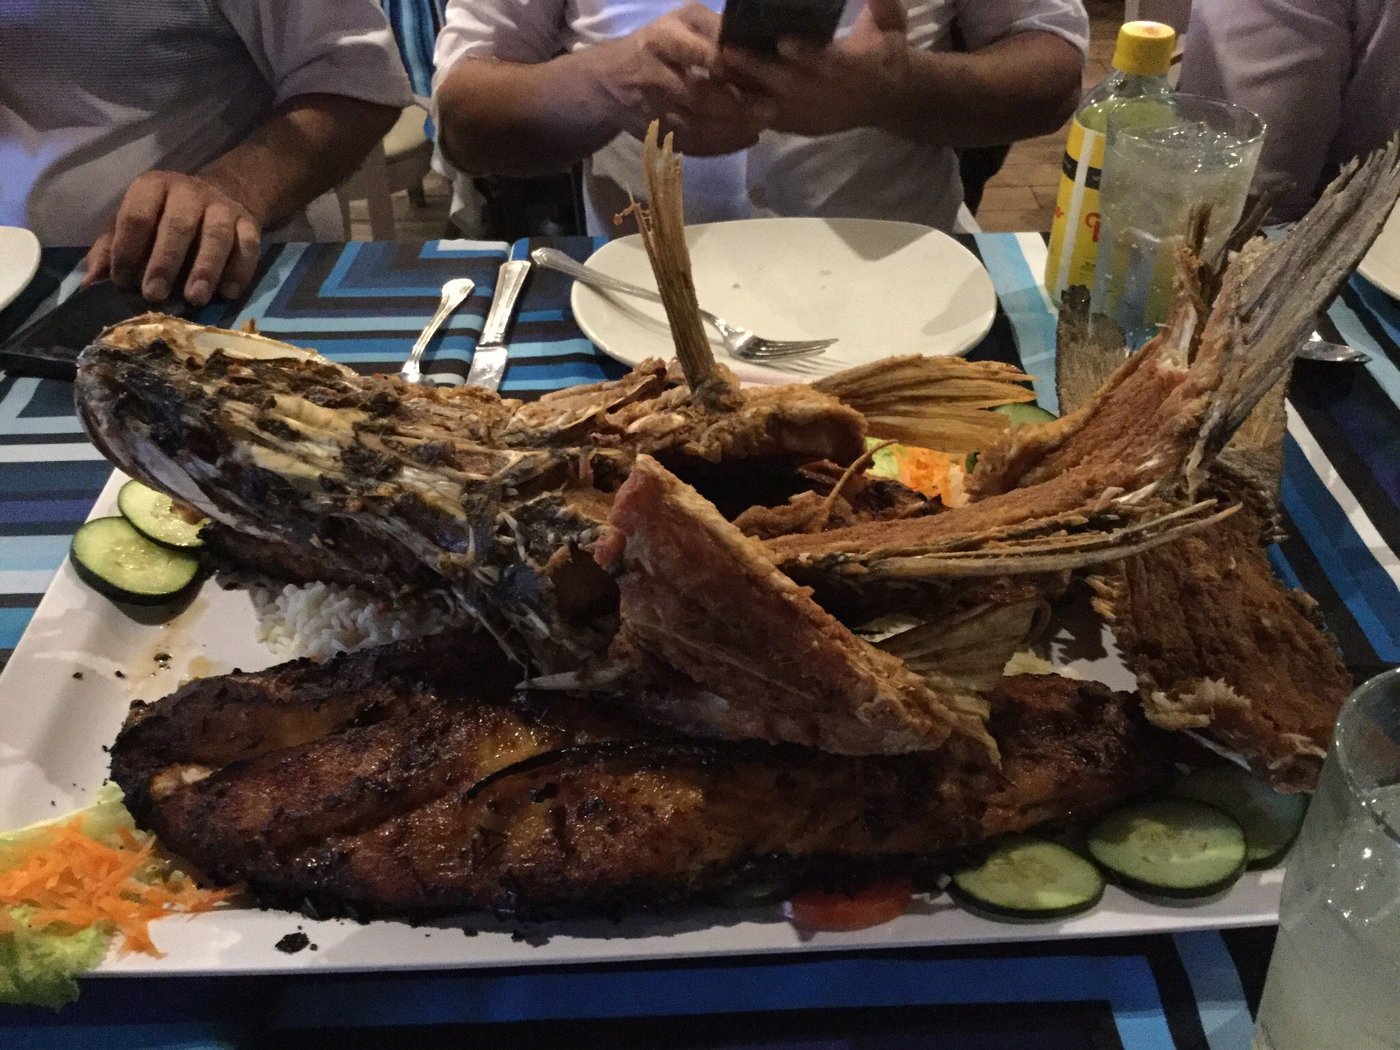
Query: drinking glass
[
  {"x": 1334, "y": 979},
  {"x": 1163, "y": 155}
]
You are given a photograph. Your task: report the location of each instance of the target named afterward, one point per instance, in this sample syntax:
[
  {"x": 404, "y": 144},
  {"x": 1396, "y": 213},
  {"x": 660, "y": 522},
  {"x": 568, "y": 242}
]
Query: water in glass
[
  {"x": 1334, "y": 980},
  {"x": 1161, "y": 158}
]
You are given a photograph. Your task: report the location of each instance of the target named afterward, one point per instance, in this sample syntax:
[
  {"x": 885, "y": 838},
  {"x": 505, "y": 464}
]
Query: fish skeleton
[{"x": 529, "y": 516}]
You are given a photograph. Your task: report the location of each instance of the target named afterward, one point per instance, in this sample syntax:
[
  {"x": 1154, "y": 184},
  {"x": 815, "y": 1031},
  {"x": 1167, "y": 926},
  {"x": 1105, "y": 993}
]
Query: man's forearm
[
  {"x": 516, "y": 118},
  {"x": 309, "y": 145},
  {"x": 1024, "y": 85}
]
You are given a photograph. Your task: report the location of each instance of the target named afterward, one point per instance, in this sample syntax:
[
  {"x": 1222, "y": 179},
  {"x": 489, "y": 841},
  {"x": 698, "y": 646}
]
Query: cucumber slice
[
  {"x": 1026, "y": 879},
  {"x": 1174, "y": 847},
  {"x": 1025, "y": 412},
  {"x": 1271, "y": 819},
  {"x": 154, "y": 515},
  {"x": 118, "y": 562}
]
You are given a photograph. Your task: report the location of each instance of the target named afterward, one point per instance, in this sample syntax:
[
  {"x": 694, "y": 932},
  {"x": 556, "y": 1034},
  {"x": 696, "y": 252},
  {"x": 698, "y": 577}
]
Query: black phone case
[
  {"x": 758, "y": 25},
  {"x": 48, "y": 347}
]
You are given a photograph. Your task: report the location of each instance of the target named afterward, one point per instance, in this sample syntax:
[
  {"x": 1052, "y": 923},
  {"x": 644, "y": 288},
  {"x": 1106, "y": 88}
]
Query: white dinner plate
[
  {"x": 82, "y": 661},
  {"x": 1381, "y": 265},
  {"x": 19, "y": 261},
  {"x": 879, "y": 288}
]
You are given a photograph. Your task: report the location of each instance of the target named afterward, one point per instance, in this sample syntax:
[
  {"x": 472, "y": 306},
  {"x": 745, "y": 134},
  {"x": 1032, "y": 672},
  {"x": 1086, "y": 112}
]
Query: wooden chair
[
  {"x": 399, "y": 163},
  {"x": 404, "y": 158}
]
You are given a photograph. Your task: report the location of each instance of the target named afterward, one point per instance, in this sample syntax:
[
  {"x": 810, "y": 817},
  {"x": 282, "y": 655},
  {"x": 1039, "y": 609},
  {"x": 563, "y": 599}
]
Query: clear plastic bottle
[{"x": 1140, "y": 63}]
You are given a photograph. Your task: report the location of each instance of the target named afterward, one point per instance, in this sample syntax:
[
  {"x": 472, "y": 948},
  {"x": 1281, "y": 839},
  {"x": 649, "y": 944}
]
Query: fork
[
  {"x": 1320, "y": 349},
  {"x": 740, "y": 342},
  {"x": 453, "y": 293}
]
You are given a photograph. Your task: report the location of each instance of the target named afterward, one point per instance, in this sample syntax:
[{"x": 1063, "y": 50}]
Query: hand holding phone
[
  {"x": 826, "y": 88},
  {"x": 758, "y": 25},
  {"x": 664, "y": 70}
]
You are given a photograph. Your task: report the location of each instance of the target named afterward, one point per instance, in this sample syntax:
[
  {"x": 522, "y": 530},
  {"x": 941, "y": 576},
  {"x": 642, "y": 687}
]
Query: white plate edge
[
  {"x": 31, "y": 259},
  {"x": 1388, "y": 240},
  {"x": 755, "y": 374}
]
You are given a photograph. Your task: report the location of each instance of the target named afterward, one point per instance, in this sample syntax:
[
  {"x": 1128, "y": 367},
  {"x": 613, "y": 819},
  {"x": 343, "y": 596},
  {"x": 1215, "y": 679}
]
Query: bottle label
[{"x": 1074, "y": 234}]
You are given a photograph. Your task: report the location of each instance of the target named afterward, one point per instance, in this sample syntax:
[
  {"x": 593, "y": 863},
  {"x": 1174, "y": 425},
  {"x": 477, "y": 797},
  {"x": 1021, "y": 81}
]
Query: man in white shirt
[
  {"x": 1324, "y": 75},
  {"x": 864, "y": 128},
  {"x": 173, "y": 132}
]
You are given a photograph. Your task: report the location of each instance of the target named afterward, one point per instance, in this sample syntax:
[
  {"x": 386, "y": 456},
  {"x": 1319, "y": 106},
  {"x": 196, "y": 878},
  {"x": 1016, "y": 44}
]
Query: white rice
[
  {"x": 318, "y": 620},
  {"x": 1028, "y": 662}
]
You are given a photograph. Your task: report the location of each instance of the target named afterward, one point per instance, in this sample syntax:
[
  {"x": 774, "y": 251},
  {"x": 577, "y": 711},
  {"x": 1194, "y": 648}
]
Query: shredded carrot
[
  {"x": 69, "y": 879},
  {"x": 931, "y": 472}
]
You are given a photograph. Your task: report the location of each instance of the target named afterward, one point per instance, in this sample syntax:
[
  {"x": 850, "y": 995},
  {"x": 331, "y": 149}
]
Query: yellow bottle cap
[{"x": 1144, "y": 48}]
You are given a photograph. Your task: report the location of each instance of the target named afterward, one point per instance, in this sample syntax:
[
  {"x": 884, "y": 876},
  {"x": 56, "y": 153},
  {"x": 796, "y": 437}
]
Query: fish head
[{"x": 139, "y": 380}]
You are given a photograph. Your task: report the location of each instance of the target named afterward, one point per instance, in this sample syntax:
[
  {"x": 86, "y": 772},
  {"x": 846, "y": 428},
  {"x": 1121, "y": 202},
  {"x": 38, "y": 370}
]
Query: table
[{"x": 363, "y": 303}]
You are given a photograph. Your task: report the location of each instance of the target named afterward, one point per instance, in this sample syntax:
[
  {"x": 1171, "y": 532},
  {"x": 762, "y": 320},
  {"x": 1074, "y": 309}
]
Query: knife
[
  {"x": 489, "y": 358},
  {"x": 48, "y": 347}
]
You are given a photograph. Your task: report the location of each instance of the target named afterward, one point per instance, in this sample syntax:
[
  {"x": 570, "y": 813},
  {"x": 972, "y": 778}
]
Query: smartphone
[
  {"x": 48, "y": 347},
  {"x": 758, "y": 25}
]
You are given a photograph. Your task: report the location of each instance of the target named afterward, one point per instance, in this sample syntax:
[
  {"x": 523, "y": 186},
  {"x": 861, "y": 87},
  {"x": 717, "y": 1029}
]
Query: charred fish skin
[
  {"x": 314, "y": 473},
  {"x": 310, "y": 468},
  {"x": 385, "y": 783},
  {"x": 211, "y": 723}
]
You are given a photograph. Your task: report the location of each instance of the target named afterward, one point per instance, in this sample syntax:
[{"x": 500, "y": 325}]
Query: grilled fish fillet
[{"x": 408, "y": 780}]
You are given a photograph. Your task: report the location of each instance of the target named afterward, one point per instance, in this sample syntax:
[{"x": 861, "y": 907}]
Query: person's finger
[
  {"x": 721, "y": 103},
  {"x": 754, "y": 73},
  {"x": 716, "y": 122},
  {"x": 98, "y": 261},
  {"x": 242, "y": 261},
  {"x": 758, "y": 109},
  {"x": 888, "y": 16},
  {"x": 217, "y": 236},
  {"x": 805, "y": 55},
  {"x": 681, "y": 47},
  {"x": 700, "y": 138},
  {"x": 179, "y": 225},
  {"x": 135, "y": 228},
  {"x": 667, "y": 89},
  {"x": 701, "y": 19}
]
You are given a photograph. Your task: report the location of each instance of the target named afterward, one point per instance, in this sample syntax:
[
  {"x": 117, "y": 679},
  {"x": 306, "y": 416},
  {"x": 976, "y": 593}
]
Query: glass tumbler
[
  {"x": 1163, "y": 155},
  {"x": 1334, "y": 979}
]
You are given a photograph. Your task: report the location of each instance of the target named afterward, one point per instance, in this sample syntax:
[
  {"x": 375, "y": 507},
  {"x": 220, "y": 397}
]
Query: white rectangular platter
[{"x": 66, "y": 690}]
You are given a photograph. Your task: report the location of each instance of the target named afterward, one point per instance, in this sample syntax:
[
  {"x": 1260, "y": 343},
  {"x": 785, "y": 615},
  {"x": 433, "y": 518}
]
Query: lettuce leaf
[
  {"x": 100, "y": 820},
  {"x": 885, "y": 463},
  {"x": 37, "y": 967}
]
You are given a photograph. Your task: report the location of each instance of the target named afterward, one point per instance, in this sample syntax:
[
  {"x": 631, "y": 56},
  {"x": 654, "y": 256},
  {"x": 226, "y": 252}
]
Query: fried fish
[{"x": 411, "y": 779}]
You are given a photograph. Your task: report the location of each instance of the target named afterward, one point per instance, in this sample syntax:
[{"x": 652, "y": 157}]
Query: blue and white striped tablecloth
[{"x": 364, "y": 303}]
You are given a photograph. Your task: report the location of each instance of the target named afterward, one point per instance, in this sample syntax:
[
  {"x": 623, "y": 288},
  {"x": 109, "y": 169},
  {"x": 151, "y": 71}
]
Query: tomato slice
[{"x": 877, "y": 903}]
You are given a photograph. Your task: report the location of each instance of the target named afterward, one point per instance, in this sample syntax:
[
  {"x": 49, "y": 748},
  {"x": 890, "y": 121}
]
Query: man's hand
[
  {"x": 820, "y": 90},
  {"x": 663, "y": 70},
  {"x": 502, "y": 117},
  {"x": 166, "y": 219}
]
